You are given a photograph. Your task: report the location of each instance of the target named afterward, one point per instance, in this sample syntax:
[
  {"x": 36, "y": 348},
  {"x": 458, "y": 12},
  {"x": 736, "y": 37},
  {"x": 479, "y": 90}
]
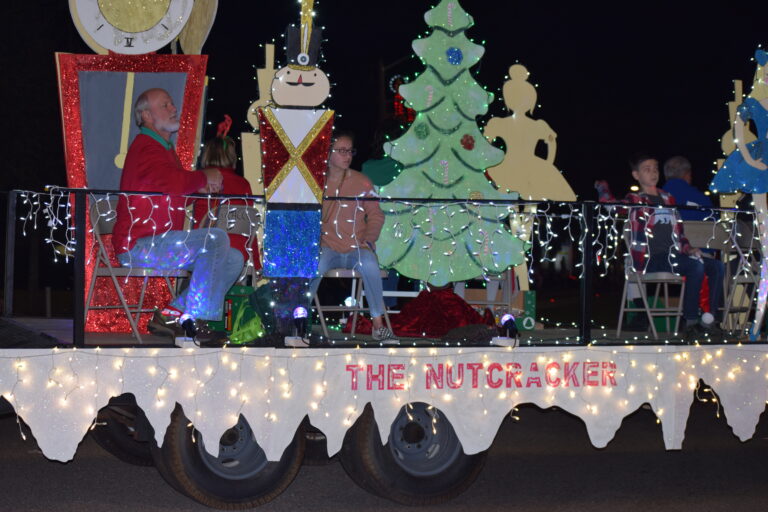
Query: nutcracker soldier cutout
[{"x": 295, "y": 139}]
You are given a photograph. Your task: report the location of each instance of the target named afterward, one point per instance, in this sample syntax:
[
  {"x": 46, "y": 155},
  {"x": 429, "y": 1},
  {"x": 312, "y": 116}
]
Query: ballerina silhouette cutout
[
  {"x": 521, "y": 170},
  {"x": 745, "y": 170}
]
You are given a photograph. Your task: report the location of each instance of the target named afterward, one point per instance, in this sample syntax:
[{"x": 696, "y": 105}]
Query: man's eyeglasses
[{"x": 345, "y": 151}]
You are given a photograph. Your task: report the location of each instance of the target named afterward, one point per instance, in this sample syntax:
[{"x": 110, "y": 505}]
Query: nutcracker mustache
[{"x": 301, "y": 82}]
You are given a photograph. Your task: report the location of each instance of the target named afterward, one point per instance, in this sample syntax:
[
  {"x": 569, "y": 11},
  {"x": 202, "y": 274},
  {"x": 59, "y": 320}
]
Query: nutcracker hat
[{"x": 302, "y": 42}]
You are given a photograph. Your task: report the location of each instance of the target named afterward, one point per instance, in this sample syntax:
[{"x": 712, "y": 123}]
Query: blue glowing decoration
[
  {"x": 454, "y": 55},
  {"x": 291, "y": 242},
  {"x": 300, "y": 316},
  {"x": 509, "y": 326}
]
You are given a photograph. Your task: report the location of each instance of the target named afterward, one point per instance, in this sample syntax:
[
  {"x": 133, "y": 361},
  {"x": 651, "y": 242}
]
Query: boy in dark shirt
[{"x": 667, "y": 246}]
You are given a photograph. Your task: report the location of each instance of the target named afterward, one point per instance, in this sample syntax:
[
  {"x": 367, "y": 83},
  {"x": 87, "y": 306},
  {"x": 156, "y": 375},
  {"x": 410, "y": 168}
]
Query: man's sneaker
[
  {"x": 714, "y": 333},
  {"x": 207, "y": 337},
  {"x": 695, "y": 332},
  {"x": 165, "y": 325},
  {"x": 703, "y": 335},
  {"x": 384, "y": 336}
]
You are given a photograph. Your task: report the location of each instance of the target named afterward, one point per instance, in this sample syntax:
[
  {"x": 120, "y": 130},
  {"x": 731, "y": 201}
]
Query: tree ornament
[
  {"x": 444, "y": 165},
  {"x": 430, "y": 92},
  {"x": 421, "y": 130},
  {"x": 468, "y": 142},
  {"x": 454, "y": 56}
]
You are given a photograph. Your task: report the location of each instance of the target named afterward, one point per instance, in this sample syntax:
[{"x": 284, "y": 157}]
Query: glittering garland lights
[
  {"x": 545, "y": 226},
  {"x": 58, "y": 392}
]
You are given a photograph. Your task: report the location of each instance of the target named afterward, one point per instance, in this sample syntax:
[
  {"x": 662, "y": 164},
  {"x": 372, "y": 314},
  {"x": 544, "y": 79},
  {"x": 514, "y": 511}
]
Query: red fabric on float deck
[{"x": 431, "y": 314}]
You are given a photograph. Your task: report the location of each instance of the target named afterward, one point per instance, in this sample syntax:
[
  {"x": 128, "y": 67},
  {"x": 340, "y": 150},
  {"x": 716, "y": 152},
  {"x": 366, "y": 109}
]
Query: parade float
[{"x": 412, "y": 423}]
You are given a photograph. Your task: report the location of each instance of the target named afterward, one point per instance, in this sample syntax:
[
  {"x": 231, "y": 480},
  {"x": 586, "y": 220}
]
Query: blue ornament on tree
[{"x": 454, "y": 56}]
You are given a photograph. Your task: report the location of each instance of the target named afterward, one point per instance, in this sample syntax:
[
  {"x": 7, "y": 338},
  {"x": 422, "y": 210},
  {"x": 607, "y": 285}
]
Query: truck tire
[
  {"x": 419, "y": 465},
  {"x": 315, "y": 447},
  {"x": 350, "y": 459},
  {"x": 116, "y": 433},
  {"x": 240, "y": 477}
]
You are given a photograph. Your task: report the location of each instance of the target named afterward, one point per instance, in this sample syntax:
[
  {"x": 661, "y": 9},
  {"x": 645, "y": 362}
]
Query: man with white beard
[{"x": 149, "y": 231}]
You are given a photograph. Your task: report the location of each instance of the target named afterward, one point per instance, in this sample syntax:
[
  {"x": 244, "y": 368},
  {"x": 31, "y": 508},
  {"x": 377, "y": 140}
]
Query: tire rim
[
  {"x": 240, "y": 456},
  {"x": 422, "y": 441}
]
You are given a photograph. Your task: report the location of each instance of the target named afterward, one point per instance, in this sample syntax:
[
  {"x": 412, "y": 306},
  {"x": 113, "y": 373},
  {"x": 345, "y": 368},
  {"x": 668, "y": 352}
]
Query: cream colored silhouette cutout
[
  {"x": 251, "y": 143},
  {"x": 521, "y": 170},
  {"x": 728, "y": 142},
  {"x": 198, "y": 27},
  {"x": 264, "y": 78}
]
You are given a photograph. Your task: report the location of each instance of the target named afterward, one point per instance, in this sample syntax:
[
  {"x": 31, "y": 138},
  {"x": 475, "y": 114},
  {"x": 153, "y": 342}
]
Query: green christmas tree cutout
[{"x": 444, "y": 156}]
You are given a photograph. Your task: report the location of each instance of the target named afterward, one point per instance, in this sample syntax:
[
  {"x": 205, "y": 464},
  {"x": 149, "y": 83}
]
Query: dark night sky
[{"x": 612, "y": 79}]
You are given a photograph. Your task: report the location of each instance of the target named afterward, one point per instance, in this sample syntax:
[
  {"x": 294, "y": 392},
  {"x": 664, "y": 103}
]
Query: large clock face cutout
[{"x": 131, "y": 27}]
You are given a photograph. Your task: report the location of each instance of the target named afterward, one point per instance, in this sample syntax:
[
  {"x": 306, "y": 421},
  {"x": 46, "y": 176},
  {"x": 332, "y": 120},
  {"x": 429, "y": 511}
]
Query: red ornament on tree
[{"x": 468, "y": 142}]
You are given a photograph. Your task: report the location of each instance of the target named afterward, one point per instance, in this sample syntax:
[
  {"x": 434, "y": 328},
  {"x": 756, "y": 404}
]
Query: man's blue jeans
[
  {"x": 361, "y": 260},
  {"x": 694, "y": 271},
  {"x": 215, "y": 266}
]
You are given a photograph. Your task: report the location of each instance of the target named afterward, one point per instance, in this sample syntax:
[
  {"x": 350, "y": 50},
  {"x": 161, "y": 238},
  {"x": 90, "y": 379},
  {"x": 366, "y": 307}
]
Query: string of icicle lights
[{"x": 546, "y": 225}]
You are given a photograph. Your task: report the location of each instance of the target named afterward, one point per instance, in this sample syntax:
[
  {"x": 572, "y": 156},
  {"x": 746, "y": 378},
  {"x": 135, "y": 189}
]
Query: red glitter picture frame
[{"x": 69, "y": 67}]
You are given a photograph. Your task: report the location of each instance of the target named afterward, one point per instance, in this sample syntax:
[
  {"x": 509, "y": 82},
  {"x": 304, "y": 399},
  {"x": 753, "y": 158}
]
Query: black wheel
[
  {"x": 315, "y": 447},
  {"x": 162, "y": 467},
  {"x": 350, "y": 458},
  {"x": 116, "y": 432},
  {"x": 239, "y": 477},
  {"x": 423, "y": 462}
]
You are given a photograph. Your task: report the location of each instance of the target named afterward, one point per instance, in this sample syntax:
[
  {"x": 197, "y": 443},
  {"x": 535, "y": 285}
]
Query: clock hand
[{"x": 126, "y": 129}]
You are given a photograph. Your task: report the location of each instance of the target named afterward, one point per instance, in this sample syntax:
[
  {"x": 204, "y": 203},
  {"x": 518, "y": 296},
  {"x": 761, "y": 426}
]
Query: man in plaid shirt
[{"x": 658, "y": 242}]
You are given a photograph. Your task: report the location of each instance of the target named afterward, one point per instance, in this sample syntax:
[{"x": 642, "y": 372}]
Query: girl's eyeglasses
[{"x": 345, "y": 151}]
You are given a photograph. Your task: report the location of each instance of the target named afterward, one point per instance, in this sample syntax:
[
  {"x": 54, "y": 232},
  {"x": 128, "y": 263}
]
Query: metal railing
[{"x": 586, "y": 226}]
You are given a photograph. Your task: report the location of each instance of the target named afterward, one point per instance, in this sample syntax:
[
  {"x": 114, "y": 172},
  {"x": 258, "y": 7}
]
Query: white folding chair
[
  {"x": 640, "y": 279},
  {"x": 103, "y": 216},
  {"x": 743, "y": 284},
  {"x": 357, "y": 293}
]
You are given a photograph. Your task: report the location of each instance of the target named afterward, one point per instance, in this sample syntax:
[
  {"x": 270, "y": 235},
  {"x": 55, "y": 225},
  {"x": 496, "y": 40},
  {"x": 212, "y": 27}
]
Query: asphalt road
[{"x": 542, "y": 462}]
